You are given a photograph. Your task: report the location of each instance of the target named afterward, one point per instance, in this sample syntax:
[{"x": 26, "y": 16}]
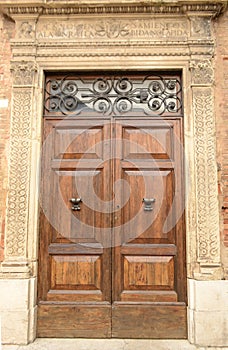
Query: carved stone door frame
[{"x": 178, "y": 37}]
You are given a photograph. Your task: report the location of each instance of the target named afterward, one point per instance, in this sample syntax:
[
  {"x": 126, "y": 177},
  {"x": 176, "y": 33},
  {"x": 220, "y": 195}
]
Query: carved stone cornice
[{"x": 113, "y": 7}]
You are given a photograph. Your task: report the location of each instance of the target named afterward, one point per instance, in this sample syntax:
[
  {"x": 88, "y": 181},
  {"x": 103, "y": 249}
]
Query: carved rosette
[
  {"x": 200, "y": 27},
  {"x": 206, "y": 177},
  {"x": 17, "y": 215},
  {"x": 26, "y": 30}
]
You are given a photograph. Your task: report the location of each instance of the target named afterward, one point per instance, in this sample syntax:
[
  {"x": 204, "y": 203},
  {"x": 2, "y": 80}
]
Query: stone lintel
[{"x": 71, "y": 36}]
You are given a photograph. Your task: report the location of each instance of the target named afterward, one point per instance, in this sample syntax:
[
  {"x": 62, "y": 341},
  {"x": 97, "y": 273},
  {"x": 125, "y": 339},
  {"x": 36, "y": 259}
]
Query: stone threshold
[
  {"x": 102, "y": 344},
  {"x": 108, "y": 344}
]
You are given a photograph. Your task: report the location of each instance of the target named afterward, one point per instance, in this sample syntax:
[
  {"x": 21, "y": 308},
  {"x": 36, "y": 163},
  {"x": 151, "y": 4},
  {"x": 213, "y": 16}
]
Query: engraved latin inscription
[{"x": 112, "y": 29}]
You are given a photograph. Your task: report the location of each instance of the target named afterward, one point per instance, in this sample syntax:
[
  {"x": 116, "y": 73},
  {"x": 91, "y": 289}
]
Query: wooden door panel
[
  {"x": 148, "y": 278},
  {"x": 148, "y": 272},
  {"x": 75, "y": 143},
  {"x": 149, "y": 143},
  {"x": 141, "y": 225},
  {"x": 74, "y": 321},
  {"x": 167, "y": 321},
  {"x": 75, "y": 272},
  {"x": 84, "y": 224}
]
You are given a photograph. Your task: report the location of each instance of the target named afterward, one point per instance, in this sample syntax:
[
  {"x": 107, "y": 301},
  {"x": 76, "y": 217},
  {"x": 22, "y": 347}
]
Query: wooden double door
[{"x": 112, "y": 234}]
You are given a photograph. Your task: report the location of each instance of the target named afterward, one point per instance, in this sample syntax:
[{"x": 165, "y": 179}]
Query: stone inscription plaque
[{"x": 121, "y": 29}]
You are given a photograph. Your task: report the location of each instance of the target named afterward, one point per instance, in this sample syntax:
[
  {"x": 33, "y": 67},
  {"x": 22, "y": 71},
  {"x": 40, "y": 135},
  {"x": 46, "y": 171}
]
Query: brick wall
[
  {"x": 221, "y": 103},
  {"x": 6, "y": 33}
]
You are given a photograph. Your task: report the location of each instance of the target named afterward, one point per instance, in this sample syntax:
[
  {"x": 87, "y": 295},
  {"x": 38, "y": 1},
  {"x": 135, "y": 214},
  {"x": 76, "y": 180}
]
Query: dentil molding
[{"x": 48, "y": 7}]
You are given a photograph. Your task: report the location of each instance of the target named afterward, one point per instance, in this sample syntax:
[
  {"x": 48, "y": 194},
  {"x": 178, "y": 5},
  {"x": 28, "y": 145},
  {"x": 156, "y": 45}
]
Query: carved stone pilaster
[
  {"x": 21, "y": 119},
  {"x": 208, "y": 247},
  {"x": 207, "y": 216}
]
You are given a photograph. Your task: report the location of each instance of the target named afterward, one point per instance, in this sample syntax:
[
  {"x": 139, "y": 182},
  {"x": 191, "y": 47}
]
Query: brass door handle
[
  {"x": 76, "y": 203},
  {"x": 148, "y": 203}
]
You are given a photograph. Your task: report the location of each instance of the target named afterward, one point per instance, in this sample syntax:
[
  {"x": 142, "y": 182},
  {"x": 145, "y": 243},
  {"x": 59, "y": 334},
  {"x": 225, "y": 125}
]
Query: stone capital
[
  {"x": 202, "y": 72},
  {"x": 23, "y": 72}
]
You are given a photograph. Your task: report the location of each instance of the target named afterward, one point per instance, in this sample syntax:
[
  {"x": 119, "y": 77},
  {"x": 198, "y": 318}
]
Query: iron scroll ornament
[{"x": 152, "y": 95}]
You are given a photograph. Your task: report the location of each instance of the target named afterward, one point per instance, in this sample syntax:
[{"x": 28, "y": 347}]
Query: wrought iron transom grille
[{"x": 150, "y": 94}]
